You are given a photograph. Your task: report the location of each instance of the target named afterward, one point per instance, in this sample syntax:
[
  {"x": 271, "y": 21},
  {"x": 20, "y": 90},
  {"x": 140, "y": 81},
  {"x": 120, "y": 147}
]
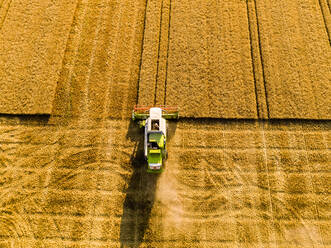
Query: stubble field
[{"x": 238, "y": 175}]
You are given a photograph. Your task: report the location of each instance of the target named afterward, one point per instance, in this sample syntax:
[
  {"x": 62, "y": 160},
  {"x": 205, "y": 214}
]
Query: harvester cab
[{"x": 153, "y": 119}]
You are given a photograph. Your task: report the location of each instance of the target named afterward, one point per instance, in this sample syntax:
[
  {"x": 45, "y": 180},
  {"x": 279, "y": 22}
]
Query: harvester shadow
[{"x": 140, "y": 194}]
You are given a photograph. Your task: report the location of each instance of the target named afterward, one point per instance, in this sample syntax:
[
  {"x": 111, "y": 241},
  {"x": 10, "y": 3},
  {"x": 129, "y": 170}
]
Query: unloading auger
[{"x": 154, "y": 121}]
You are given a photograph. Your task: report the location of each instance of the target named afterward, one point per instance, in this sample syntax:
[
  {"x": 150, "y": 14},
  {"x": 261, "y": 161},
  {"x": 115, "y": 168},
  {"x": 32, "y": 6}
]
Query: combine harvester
[{"x": 154, "y": 121}]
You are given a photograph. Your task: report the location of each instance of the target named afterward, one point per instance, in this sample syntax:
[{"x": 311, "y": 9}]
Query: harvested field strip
[
  {"x": 253, "y": 185},
  {"x": 193, "y": 181},
  {"x": 34, "y": 40},
  {"x": 296, "y": 51}
]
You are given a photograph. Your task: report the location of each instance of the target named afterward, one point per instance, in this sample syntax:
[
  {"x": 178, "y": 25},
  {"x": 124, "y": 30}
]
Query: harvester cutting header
[{"x": 154, "y": 121}]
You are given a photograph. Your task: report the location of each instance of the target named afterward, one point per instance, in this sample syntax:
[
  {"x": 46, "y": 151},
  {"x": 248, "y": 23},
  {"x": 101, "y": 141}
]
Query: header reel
[{"x": 141, "y": 112}]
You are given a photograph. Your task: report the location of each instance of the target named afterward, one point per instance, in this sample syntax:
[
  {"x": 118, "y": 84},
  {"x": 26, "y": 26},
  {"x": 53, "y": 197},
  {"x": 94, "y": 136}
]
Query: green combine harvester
[{"x": 154, "y": 121}]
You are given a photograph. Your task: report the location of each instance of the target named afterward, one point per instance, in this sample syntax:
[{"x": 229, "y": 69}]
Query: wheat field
[{"x": 249, "y": 158}]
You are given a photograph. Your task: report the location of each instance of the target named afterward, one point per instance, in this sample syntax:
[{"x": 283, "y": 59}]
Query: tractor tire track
[
  {"x": 168, "y": 50},
  {"x": 62, "y": 104},
  {"x": 4, "y": 8},
  {"x": 260, "y": 60},
  {"x": 158, "y": 55},
  {"x": 325, "y": 12},
  {"x": 257, "y": 65}
]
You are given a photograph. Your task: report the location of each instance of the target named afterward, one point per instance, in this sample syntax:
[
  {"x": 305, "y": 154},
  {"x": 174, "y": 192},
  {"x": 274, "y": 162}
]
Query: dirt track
[{"x": 76, "y": 178}]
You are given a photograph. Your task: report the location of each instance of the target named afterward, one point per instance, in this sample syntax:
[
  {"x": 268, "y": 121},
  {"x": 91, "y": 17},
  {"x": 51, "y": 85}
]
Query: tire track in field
[
  {"x": 312, "y": 186},
  {"x": 326, "y": 17},
  {"x": 206, "y": 179},
  {"x": 158, "y": 54},
  {"x": 4, "y": 8},
  {"x": 259, "y": 114},
  {"x": 85, "y": 114},
  {"x": 266, "y": 167},
  {"x": 293, "y": 46},
  {"x": 293, "y": 197},
  {"x": 162, "y": 52},
  {"x": 261, "y": 58},
  {"x": 14, "y": 225},
  {"x": 151, "y": 53},
  {"x": 62, "y": 105},
  {"x": 14, "y": 198},
  {"x": 168, "y": 50},
  {"x": 78, "y": 71},
  {"x": 184, "y": 207},
  {"x": 246, "y": 202},
  {"x": 260, "y": 93},
  {"x": 66, "y": 60},
  {"x": 71, "y": 177}
]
